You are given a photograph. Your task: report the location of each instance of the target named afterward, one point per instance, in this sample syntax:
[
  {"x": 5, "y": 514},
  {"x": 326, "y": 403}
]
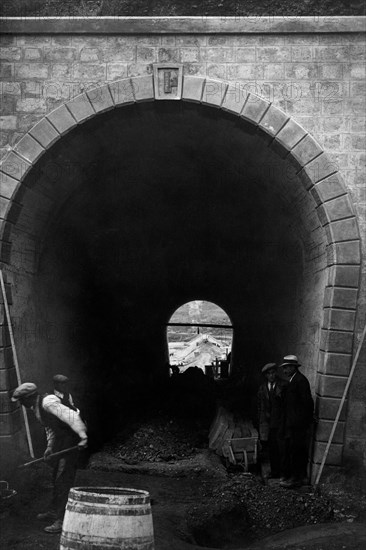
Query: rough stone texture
[
  {"x": 324, "y": 428},
  {"x": 331, "y": 386},
  {"x": 192, "y": 89},
  {"x": 334, "y": 363},
  {"x": 254, "y": 109},
  {"x": 143, "y": 88},
  {"x": 101, "y": 99},
  {"x": 61, "y": 119},
  {"x": 327, "y": 408},
  {"x": 334, "y": 455},
  {"x": 44, "y": 133},
  {"x": 214, "y": 93},
  {"x": 7, "y": 185},
  {"x": 234, "y": 99},
  {"x": 29, "y": 149}
]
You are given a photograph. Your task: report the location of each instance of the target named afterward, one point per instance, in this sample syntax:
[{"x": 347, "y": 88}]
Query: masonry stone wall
[{"x": 318, "y": 78}]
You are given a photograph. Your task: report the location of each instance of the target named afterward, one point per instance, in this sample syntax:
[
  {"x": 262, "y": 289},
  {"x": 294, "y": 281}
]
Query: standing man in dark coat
[
  {"x": 269, "y": 400},
  {"x": 297, "y": 418}
]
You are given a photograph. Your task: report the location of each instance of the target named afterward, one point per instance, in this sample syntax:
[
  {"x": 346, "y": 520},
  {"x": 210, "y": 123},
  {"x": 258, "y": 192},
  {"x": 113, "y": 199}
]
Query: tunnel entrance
[
  {"x": 199, "y": 335},
  {"x": 139, "y": 209}
]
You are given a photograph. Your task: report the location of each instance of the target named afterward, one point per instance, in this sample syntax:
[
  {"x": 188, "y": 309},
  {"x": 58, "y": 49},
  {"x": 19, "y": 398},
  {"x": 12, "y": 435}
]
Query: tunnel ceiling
[{"x": 173, "y": 200}]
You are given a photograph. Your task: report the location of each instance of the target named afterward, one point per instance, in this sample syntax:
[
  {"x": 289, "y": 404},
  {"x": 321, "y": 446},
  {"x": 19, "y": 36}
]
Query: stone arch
[{"x": 317, "y": 172}]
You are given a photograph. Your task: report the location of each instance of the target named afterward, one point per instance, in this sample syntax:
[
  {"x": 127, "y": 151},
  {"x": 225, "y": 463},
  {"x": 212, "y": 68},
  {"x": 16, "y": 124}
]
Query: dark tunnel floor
[{"x": 171, "y": 498}]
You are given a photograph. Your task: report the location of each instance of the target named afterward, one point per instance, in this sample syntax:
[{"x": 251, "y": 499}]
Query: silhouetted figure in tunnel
[
  {"x": 270, "y": 403},
  {"x": 297, "y": 417}
]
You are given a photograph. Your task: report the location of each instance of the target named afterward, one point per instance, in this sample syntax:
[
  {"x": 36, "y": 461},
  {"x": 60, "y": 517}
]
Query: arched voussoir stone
[{"x": 214, "y": 92}]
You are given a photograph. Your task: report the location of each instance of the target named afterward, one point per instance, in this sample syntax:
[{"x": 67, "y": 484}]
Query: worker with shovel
[{"x": 64, "y": 429}]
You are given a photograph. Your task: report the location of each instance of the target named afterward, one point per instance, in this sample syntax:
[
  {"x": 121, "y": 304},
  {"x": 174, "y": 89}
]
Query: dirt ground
[{"x": 181, "y": 493}]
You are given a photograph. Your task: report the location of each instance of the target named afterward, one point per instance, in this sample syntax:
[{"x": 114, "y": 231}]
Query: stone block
[
  {"x": 8, "y": 185},
  {"x": 193, "y": 88},
  {"x": 10, "y": 422},
  {"x": 116, "y": 71},
  {"x": 317, "y": 169},
  {"x": 86, "y": 72},
  {"x": 347, "y": 252},
  {"x": 15, "y": 166},
  {"x": 290, "y": 135},
  {"x": 344, "y": 230},
  {"x": 326, "y": 408},
  {"x": 337, "y": 364},
  {"x": 143, "y": 87},
  {"x": 213, "y": 92},
  {"x": 4, "y": 206},
  {"x": 217, "y": 55},
  {"x": 29, "y": 148},
  {"x": 331, "y": 386},
  {"x": 235, "y": 98},
  {"x": 5, "y": 252},
  {"x": 8, "y": 379},
  {"x": 340, "y": 319},
  {"x": 305, "y": 151},
  {"x": 336, "y": 341},
  {"x": 324, "y": 428},
  {"x": 328, "y": 189},
  {"x": 4, "y": 336},
  {"x": 341, "y": 297},
  {"x": 334, "y": 456},
  {"x": 27, "y": 71},
  {"x": 254, "y": 109},
  {"x": 339, "y": 208},
  {"x": 8, "y": 122},
  {"x": 44, "y": 133},
  {"x": 62, "y": 119},
  {"x": 122, "y": 91},
  {"x": 80, "y": 108},
  {"x": 169, "y": 55},
  {"x": 344, "y": 275},
  {"x": 245, "y": 55},
  {"x": 6, "y": 405},
  {"x": 273, "y": 121},
  {"x": 101, "y": 99}
]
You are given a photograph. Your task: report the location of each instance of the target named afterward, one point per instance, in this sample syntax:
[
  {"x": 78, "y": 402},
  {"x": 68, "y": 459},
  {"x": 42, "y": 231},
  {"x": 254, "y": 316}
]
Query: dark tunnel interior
[{"x": 140, "y": 210}]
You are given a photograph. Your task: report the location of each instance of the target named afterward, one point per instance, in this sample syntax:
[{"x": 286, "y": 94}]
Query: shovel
[{"x": 59, "y": 453}]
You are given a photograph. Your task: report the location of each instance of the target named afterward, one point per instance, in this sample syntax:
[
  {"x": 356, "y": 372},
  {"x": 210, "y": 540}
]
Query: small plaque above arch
[{"x": 168, "y": 80}]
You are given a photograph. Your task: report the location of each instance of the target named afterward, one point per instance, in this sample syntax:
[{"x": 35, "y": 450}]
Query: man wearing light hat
[
  {"x": 64, "y": 429},
  {"x": 269, "y": 400},
  {"x": 297, "y": 418}
]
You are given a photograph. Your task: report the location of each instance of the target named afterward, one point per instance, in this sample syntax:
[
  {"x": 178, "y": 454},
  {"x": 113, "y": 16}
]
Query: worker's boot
[
  {"x": 56, "y": 527},
  {"x": 46, "y": 516}
]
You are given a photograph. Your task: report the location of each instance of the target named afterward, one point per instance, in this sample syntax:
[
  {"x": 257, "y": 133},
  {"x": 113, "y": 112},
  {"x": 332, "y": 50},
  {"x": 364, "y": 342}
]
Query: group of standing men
[
  {"x": 64, "y": 429},
  {"x": 285, "y": 414}
]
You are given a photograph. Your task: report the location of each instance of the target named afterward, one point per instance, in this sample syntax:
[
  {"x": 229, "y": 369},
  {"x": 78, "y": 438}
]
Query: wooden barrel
[{"x": 107, "y": 518}]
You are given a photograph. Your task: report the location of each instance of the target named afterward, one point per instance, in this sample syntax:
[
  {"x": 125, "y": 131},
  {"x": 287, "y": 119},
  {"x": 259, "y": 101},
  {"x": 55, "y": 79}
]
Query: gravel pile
[
  {"x": 158, "y": 440},
  {"x": 264, "y": 510}
]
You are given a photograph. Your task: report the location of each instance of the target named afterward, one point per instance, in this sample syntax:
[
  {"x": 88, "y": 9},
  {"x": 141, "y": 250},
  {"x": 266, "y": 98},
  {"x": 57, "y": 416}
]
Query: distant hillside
[{"x": 199, "y": 312}]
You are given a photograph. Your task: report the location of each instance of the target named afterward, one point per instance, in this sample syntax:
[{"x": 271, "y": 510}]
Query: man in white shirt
[{"x": 64, "y": 429}]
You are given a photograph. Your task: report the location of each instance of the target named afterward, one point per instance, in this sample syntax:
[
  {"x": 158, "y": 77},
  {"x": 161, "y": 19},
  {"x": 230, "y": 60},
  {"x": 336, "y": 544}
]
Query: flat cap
[
  {"x": 268, "y": 367},
  {"x": 60, "y": 378},
  {"x": 290, "y": 360},
  {"x": 24, "y": 390}
]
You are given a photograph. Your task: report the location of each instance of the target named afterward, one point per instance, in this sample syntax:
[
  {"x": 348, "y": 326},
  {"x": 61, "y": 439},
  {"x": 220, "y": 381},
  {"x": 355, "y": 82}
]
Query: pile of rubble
[
  {"x": 158, "y": 440},
  {"x": 261, "y": 510}
]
